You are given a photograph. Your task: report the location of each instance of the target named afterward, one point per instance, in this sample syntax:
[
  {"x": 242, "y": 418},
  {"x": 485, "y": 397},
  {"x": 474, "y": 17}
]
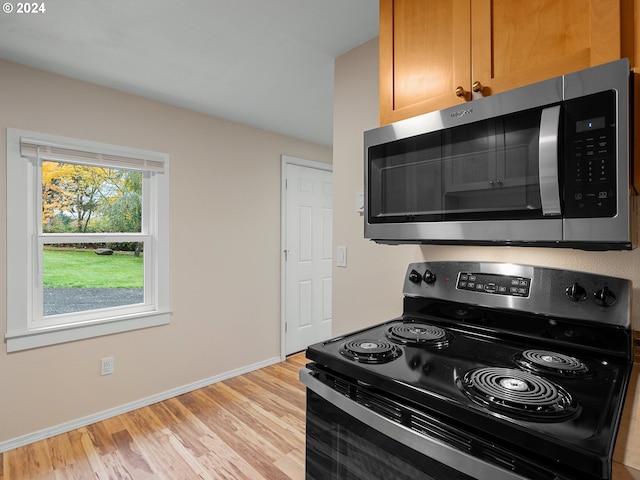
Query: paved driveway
[{"x": 67, "y": 300}]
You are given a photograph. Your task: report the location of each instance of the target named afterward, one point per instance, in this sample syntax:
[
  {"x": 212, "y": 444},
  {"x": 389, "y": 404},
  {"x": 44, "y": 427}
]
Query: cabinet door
[
  {"x": 424, "y": 56},
  {"x": 519, "y": 43}
]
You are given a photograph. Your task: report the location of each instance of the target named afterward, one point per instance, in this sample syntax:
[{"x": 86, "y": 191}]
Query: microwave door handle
[{"x": 548, "y": 161}]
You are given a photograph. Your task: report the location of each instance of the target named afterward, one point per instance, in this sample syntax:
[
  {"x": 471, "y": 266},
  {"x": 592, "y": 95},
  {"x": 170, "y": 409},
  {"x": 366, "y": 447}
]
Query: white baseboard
[{"x": 112, "y": 412}]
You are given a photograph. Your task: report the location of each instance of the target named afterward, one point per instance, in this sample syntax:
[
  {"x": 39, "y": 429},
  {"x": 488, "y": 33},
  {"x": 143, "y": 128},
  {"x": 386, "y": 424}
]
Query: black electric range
[{"x": 513, "y": 371}]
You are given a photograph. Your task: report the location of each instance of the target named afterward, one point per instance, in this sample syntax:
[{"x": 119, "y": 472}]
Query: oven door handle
[
  {"x": 423, "y": 444},
  {"x": 548, "y": 161}
]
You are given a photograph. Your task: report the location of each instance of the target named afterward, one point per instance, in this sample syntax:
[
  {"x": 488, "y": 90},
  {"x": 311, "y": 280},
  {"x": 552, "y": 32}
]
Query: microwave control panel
[{"x": 590, "y": 165}]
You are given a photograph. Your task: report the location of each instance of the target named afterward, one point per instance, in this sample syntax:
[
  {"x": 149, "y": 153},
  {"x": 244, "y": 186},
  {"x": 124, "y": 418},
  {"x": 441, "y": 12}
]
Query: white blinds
[{"x": 101, "y": 155}]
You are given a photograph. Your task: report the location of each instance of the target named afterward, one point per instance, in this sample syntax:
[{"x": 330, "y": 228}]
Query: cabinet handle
[
  {"x": 476, "y": 87},
  {"x": 460, "y": 92}
]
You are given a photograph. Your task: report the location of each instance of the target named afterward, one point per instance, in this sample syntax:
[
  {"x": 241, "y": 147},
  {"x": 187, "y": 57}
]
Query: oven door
[
  {"x": 340, "y": 447},
  {"x": 348, "y": 441}
]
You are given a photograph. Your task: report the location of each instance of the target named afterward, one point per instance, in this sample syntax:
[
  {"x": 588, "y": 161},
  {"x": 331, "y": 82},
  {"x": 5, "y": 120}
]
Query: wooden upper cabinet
[
  {"x": 424, "y": 55},
  {"x": 432, "y": 52}
]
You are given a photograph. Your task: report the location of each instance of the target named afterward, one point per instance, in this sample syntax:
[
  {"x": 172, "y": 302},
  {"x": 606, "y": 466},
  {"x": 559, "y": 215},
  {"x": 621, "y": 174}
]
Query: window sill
[{"x": 17, "y": 341}]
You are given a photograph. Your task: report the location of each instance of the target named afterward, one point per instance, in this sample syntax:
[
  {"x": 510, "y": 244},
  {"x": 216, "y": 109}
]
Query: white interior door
[{"x": 307, "y": 252}]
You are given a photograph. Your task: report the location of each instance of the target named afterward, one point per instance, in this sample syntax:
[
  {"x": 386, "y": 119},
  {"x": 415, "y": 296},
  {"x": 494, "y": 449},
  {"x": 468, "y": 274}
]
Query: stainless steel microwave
[{"x": 549, "y": 164}]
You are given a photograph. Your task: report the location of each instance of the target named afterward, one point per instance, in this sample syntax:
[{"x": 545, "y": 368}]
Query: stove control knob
[
  {"x": 576, "y": 292},
  {"x": 415, "y": 277},
  {"x": 604, "y": 297},
  {"x": 429, "y": 277}
]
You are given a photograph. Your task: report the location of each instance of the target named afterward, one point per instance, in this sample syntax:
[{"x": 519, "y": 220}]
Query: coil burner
[
  {"x": 370, "y": 351},
  {"x": 419, "y": 334},
  {"x": 544, "y": 361},
  {"x": 517, "y": 393}
]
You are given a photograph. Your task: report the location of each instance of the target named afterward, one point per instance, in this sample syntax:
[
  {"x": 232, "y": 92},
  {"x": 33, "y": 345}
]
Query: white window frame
[{"x": 26, "y": 326}]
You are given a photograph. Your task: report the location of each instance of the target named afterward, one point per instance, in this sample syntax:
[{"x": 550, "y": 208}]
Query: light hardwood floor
[{"x": 248, "y": 427}]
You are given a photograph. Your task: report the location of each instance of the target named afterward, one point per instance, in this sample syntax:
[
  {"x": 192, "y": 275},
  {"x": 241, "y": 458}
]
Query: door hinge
[
  {"x": 286, "y": 254},
  {"x": 286, "y": 327}
]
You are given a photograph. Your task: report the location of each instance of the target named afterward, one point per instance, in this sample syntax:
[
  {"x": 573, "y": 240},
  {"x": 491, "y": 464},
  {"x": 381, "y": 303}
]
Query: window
[{"x": 87, "y": 239}]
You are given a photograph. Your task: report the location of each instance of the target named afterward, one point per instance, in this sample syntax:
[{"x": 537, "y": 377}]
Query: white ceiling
[{"x": 264, "y": 63}]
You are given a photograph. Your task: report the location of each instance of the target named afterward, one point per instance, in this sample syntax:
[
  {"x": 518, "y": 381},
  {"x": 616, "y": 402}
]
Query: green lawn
[{"x": 82, "y": 268}]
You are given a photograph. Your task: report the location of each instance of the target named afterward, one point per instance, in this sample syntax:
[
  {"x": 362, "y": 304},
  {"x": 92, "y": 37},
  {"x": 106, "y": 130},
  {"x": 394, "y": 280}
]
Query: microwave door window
[
  {"x": 491, "y": 168},
  {"x": 407, "y": 179},
  {"x": 412, "y": 189},
  {"x": 481, "y": 171}
]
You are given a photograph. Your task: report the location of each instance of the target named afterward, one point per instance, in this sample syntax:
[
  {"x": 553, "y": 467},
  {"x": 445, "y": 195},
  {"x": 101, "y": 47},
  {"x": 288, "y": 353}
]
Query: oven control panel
[
  {"x": 542, "y": 290},
  {"x": 493, "y": 283}
]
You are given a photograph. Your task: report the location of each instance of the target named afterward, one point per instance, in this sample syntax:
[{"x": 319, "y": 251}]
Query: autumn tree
[
  {"x": 96, "y": 198},
  {"x": 124, "y": 210},
  {"x": 54, "y": 197}
]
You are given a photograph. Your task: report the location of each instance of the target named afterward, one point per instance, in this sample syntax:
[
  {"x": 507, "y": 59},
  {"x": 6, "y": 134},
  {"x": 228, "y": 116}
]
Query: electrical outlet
[{"x": 107, "y": 366}]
